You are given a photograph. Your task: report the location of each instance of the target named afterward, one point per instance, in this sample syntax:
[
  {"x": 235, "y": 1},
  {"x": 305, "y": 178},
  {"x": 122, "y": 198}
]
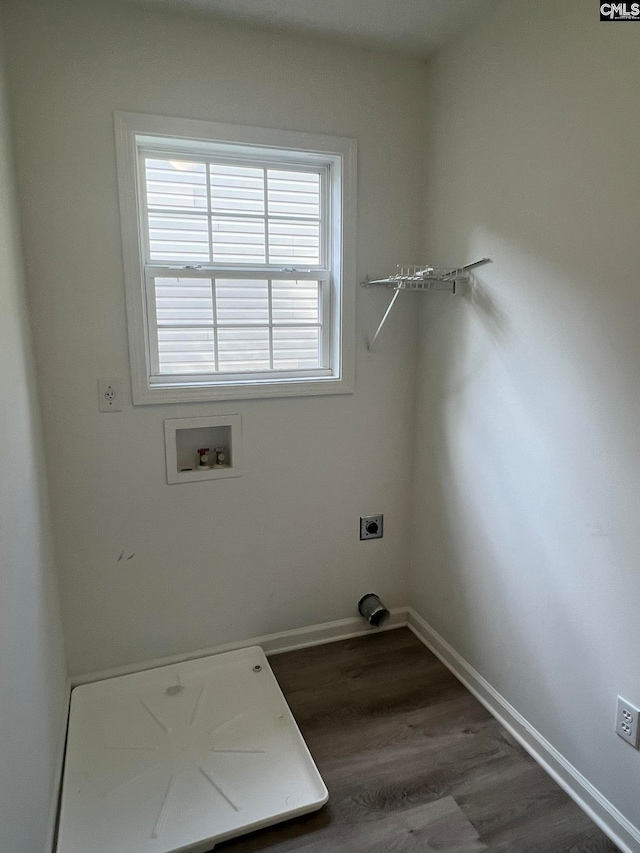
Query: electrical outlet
[
  {"x": 110, "y": 395},
  {"x": 627, "y": 722},
  {"x": 371, "y": 527}
]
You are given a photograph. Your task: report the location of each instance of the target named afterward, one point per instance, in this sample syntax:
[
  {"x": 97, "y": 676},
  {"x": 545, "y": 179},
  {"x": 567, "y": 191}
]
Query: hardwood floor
[{"x": 412, "y": 762}]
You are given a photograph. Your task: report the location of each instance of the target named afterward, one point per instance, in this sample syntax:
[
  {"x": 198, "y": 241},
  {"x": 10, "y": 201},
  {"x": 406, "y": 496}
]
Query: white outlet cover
[
  {"x": 110, "y": 395},
  {"x": 628, "y": 722}
]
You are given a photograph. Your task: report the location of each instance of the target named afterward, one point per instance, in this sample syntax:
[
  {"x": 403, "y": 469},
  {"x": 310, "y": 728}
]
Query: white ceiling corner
[{"x": 414, "y": 26}]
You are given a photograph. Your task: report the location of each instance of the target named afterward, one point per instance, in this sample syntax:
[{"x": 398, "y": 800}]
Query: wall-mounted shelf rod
[{"x": 421, "y": 278}]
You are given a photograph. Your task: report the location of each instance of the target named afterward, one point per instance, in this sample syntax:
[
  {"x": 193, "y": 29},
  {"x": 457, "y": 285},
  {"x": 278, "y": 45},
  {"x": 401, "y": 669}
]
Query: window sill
[{"x": 164, "y": 394}]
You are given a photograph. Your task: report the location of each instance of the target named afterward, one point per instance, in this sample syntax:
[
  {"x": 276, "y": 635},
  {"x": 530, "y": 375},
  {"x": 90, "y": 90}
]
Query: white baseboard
[
  {"x": 612, "y": 822},
  {"x": 272, "y": 644},
  {"x": 56, "y": 788}
]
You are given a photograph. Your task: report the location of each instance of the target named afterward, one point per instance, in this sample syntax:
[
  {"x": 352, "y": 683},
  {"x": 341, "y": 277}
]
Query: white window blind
[
  {"x": 227, "y": 214},
  {"x": 220, "y": 216},
  {"x": 235, "y": 252},
  {"x": 205, "y": 325}
]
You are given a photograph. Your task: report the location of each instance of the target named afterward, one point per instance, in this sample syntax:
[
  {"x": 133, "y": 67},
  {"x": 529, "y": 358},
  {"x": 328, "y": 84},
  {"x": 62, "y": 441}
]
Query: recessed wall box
[{"x": 185, "y": 438}]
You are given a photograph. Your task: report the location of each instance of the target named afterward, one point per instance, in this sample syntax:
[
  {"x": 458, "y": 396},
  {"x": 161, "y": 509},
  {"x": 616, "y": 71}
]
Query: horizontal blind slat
[
  {"x": 180, "y": 301},
  {"x": 238, "y": 241},
  {"x": 293, "y": 242},
  {"x": 185, "y": 319},
  {"x": 175, "y": 184},
  {"x": 295, "y": 348},
  {"x": 236, "y": 189},
  {"x": 178, "y": 237},
  {"x": 237, "y": 219},
  {"x": 293, "y": 193},
  {"x": 185, "y": 351},
  {"x": 243, "y": 349},
  {"x": 242, "y": 302}
]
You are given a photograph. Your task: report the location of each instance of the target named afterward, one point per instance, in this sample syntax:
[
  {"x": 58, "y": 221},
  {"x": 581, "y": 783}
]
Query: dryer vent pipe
[{"x": 373, "y": 610}]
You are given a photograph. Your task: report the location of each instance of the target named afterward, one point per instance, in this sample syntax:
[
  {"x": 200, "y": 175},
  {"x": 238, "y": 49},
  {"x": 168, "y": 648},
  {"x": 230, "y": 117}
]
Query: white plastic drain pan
[{"x": 180, "y": 757}]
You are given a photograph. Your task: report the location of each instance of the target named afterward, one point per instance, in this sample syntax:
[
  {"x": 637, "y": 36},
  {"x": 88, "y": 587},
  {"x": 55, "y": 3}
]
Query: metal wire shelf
[{"x": 419, "y": 278}]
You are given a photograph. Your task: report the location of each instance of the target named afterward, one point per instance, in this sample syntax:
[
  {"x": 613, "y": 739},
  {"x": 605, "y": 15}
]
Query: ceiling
[{"x": 414, "y": 26}]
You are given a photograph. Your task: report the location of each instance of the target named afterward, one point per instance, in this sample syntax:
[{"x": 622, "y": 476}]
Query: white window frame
[{"x": 136, "y": 132}]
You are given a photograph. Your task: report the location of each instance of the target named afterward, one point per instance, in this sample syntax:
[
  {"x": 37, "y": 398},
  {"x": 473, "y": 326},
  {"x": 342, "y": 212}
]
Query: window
[{"x": 239, "y": 260}]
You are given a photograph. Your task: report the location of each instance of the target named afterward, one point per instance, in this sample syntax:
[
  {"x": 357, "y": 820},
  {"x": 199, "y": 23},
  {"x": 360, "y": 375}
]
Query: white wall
[
  {"x": 32, "y": 669},
  {"x": 527, "y": 541},
  {"x": 277, "y": 548},
  {"x": 527, "y": 452}
]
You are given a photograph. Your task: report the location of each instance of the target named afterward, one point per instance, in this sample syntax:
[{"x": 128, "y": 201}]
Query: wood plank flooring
[{"x": 412, "y": 762}]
